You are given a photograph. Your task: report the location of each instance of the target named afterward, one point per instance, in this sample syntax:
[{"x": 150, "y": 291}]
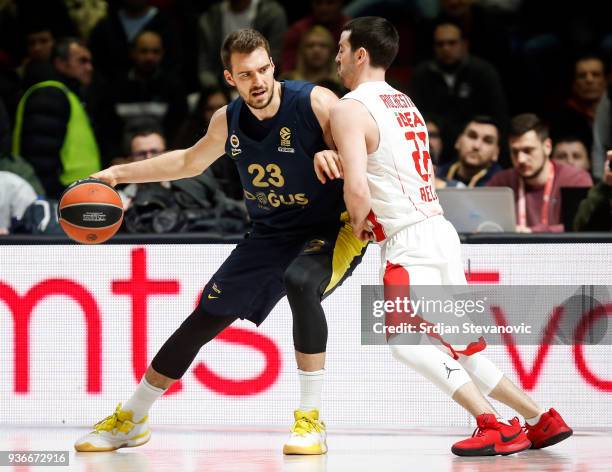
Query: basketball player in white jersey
[{"x": 389, "y": 192}]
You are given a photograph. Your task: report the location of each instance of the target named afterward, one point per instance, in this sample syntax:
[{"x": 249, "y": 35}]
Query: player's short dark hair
[
  {"x": 242, "y": 41},
  {"x": 525, "y": 122},
  {"x": 377, "y": 36}
]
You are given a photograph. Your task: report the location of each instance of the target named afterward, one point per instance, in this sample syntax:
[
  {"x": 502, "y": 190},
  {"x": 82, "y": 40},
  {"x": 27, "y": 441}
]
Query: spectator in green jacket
[{"x": 52, "y": 129}]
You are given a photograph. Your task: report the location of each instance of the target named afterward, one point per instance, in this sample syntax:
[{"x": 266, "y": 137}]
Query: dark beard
[
  {"x": 260, "y": 107},
  {"x": 537, "y": 172}
]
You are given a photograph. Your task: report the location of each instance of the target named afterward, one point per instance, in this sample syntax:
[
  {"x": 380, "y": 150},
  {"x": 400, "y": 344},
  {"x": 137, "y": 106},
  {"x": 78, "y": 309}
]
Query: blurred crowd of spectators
[{"x": 513, "y": 92}]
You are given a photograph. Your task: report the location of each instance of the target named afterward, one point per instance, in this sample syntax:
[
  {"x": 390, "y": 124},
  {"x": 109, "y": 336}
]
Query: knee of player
[
  {"x": 402, "y": 354},
  {"x": 299, "y": 282}
]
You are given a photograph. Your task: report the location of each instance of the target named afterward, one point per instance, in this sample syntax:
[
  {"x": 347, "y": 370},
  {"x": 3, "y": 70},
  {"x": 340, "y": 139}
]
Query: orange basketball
[{"x": 90, "y": 211}]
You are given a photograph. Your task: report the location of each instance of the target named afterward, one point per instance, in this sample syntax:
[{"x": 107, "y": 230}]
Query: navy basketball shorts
[{"x": 250, "y": 282}]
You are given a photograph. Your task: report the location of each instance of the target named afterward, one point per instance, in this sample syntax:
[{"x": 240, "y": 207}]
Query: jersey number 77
[{"x": 419, "y": 156}]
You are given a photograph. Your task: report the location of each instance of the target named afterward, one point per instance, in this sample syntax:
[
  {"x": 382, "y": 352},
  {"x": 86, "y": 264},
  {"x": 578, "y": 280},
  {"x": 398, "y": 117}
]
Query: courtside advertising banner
[{"x": 80, "y": 324}]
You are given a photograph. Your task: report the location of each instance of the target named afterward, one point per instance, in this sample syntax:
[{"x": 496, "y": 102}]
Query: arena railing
[{"x": 208, "y": 238}]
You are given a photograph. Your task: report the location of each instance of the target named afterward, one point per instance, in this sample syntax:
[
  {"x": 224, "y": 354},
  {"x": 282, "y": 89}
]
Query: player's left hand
[{"x": 327, "y": 165}]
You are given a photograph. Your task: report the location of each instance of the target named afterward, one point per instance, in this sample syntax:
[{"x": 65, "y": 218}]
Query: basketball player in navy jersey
[{"x": 300, "y": 244}]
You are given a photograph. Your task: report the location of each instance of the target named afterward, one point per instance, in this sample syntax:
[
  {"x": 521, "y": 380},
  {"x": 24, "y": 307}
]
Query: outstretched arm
[
  {"x": 348, "y": 126},
  {"x": 177, "y": 164}
]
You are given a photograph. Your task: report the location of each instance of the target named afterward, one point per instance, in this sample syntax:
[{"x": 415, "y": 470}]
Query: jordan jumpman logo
[{"x": 449, "y": 370}]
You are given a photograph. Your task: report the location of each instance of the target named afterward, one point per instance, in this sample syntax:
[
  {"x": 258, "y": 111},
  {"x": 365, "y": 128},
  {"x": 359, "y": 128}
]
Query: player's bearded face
[
  {"x": 344, "y": 59},
  {"x": 260, "y": 93},
  {"x": 253, "y": 77}
]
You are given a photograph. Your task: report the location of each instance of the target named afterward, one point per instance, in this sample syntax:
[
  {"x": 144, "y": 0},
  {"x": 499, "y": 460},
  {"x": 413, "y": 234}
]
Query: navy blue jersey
[{"x": 277, "y": 173}]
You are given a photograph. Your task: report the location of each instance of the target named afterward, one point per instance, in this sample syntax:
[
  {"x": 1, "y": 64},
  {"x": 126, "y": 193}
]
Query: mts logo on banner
[{"x": 139, "y": 287}]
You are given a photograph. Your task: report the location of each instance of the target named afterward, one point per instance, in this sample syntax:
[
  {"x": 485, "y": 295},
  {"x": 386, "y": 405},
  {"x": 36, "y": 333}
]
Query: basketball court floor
[{"x": 191, "y": 449}]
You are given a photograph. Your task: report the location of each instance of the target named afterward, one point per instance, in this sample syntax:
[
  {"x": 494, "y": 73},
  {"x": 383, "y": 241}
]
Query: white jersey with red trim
[{"x": 400, "y": 174}]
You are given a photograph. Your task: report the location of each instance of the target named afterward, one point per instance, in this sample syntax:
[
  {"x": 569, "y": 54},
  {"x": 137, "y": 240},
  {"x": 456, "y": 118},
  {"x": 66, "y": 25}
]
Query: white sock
[
  {"x": 141, "y": 400},
  {"x": 533, "y": 421},
  {"x": 311, "y": 384}
]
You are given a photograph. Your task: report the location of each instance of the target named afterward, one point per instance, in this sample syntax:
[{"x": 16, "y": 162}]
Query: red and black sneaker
[
  {"x": 492, "y": 438},
  {"x": 550, "y": 430}
]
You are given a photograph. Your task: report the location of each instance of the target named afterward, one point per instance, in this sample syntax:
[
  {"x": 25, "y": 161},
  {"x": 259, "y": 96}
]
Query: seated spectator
[
  {"x": 484, "y": 28},
  {"x": 223, "y": 169},
  {"x": 16, "y": 17},
  {"x": 316, "y": 57},
  {"x": 184, "y": 15},
  {"x": 457, "y": 86},
  {"x": 147, "y": 89},
  {"x": 36, "y": 66},
  {"x": 535, "y": 179},
  {"x": 85, "y": 14},
  {"x": 595, "y": 211},
  {"x": 143, "y": 140},
  {"x": 15, "y": 196},
  {"x": 19, "y": 17},
  {"x": 223, "y": 18},
  {"x": 477, "y": 153},
  {"x": 436, "y": 145},
  {"x": 577, "y": 115},
  {"x": 602, "y": 136},
  {"x": 210, "y": 99},
  {"x": 11, "y": 163},
  {"x": 193, "y": 204},
  {"x": 327, "y": 13},
  {"x": 572, "y": 151},
  {"x": 39, "y": 44},
  {"x": 111, "y": 38},
  {"x": 147, "y": 144},
  {"x": 52, "y": 129}
]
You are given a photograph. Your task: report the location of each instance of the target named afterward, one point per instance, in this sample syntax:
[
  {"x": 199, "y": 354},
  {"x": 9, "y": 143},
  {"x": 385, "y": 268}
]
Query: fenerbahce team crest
[
  {"x": 285, "y": 140},
  {"x": 235, "y": 143}
]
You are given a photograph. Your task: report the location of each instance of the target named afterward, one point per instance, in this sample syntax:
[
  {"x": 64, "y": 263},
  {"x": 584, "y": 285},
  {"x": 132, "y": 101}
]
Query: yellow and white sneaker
[
  {"x": 114, "y": 432},
  {"x": 308, "y": 434}
]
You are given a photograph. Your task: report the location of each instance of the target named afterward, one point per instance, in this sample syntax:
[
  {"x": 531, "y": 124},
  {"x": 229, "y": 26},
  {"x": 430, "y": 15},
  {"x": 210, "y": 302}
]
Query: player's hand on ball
[
  {"x": 107, "y": 176},
  {"x": 327, "y": 165}
]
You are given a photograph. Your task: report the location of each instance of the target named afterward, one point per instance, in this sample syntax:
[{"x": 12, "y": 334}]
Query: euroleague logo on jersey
[
  {"x": 235, "y": 143},
  {"x": 285, "y": 140}
]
